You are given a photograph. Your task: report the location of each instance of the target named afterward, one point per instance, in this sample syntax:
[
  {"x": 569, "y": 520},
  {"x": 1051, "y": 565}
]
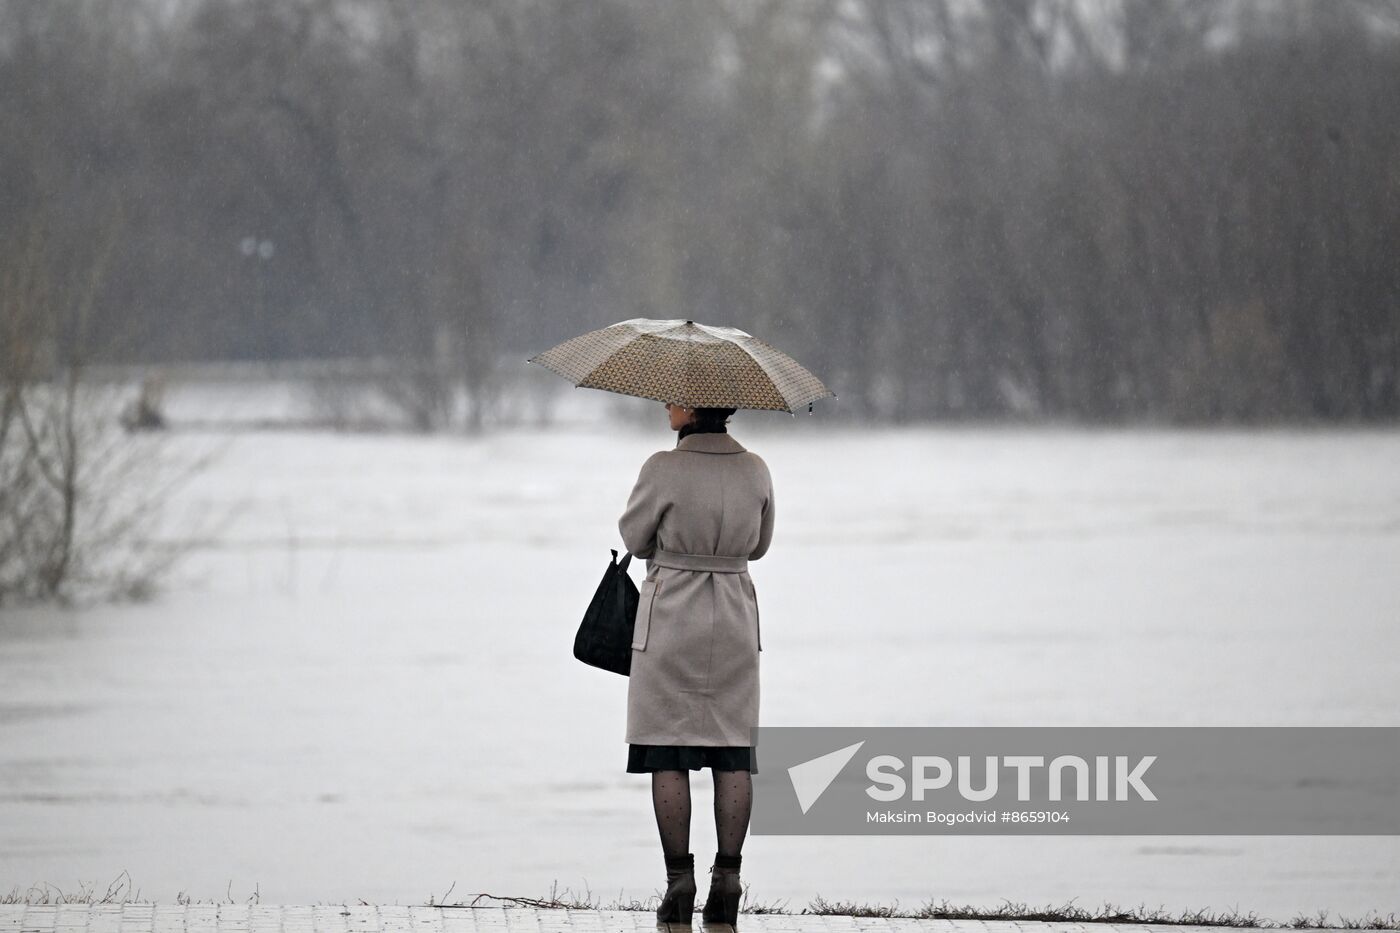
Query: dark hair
[{"x": 707, "y": 421}]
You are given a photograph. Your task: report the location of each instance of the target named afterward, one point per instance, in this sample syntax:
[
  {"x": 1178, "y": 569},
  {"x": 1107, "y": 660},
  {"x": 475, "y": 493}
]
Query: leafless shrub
[
  {"x": 79, "y": 494},
  {"x": 426, "y": 395}
]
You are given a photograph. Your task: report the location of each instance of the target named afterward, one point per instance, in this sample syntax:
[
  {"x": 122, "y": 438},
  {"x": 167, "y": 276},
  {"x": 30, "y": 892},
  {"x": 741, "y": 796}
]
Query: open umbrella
[{"x": 689, "y": 364}]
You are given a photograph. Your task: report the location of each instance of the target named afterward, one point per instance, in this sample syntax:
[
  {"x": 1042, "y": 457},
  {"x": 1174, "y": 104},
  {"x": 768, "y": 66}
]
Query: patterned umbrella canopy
[{"x": 694, "y": 365}]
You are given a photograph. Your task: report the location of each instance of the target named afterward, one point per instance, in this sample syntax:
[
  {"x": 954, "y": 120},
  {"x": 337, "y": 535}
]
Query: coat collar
[{"x": 710, "y": 444}]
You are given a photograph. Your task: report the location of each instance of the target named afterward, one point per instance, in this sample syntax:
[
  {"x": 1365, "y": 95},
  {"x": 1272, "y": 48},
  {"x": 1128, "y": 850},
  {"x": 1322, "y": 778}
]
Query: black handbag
[{"x": 604, "y": 637}]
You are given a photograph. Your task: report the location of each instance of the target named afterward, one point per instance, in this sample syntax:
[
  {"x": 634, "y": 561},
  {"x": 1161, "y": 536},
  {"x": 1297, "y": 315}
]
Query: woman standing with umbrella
[{"x": 698, "y": 513}]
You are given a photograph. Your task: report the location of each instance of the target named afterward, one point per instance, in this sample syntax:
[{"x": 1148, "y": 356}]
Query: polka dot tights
[{"x": 670, "y": 798}]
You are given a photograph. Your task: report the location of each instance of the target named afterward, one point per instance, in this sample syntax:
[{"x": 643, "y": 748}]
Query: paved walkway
[{"x": 335, "y": 918}]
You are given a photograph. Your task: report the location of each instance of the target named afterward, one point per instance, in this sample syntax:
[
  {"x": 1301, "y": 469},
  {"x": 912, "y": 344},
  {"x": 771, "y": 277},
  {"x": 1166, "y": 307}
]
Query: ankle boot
[
  {"x": 722, "y": 906},
  {"x": 678, "y": 903}
]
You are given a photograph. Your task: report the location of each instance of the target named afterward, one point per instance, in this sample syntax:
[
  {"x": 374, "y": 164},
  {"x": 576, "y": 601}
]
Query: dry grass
[
  {"x": 1108, "y": 913},
  {"x": 944, "y": 910},
  {"x": 120, "y": 892}
]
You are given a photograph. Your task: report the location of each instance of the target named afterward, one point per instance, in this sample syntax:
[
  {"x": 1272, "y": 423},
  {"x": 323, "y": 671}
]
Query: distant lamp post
[{"x": 250, "y": 245}]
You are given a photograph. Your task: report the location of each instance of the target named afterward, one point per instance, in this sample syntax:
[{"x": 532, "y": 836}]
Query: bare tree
[{"x": 79, "y": 495}]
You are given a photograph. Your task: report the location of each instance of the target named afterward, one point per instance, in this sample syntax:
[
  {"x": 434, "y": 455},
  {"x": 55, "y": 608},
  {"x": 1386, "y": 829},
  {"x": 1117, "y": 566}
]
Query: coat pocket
[
  {"x": 646, "y": 596},
  {"x": 757, "y": 628}
]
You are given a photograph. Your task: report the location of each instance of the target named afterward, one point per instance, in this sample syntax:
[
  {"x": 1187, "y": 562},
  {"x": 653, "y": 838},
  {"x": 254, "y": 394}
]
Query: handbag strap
[{"x": 625, "y": 561}]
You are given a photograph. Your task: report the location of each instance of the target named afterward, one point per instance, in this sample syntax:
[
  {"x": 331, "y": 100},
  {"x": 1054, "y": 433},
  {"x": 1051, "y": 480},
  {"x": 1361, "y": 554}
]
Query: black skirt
[{"x": 642, "y": 759}]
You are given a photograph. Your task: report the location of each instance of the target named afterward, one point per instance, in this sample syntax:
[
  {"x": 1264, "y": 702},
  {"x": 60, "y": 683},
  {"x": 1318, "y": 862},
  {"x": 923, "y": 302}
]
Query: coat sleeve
[
  {"x": 765, "y": 528},
  {"x": 645, "y": 507}
]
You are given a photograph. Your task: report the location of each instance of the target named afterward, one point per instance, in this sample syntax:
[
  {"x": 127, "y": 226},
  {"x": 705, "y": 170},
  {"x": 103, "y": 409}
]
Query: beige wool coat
[{"x": 698, "y": 514}]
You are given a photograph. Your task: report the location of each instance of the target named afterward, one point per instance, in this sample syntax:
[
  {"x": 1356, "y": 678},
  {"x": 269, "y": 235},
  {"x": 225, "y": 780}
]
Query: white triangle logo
[{"x": 811, "y": 778}]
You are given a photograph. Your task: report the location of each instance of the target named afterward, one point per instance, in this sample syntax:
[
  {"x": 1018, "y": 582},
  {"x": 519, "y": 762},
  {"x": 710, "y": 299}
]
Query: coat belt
[{"x": 711, "y": 562}]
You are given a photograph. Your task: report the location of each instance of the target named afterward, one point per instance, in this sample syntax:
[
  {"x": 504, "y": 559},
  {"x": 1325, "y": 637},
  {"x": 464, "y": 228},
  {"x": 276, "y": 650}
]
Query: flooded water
[{"x": 364, "y": 688}]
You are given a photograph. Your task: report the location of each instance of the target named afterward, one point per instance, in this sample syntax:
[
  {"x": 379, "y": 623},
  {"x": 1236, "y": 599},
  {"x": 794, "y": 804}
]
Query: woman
[{"x": 698, "y": 514}]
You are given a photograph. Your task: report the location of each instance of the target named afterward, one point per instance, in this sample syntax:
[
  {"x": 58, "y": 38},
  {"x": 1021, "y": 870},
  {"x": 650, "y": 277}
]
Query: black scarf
[{"x": 692, "y": 428}]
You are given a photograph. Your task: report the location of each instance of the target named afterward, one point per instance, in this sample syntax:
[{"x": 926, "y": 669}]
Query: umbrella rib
[
  {"x": 772, "y": 376},
  {"x": 632, "y": 338},
  {"x": 689, "y": 363}
]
